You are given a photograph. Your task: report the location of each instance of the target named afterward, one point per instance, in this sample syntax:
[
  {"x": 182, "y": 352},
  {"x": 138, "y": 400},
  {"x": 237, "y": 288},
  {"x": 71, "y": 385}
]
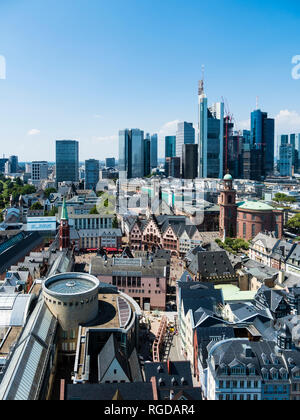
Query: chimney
[
  {"x": 154, "y": 388},
  {"x": 281, "y": 277},
  {"x": 169, "y": 367},
  {"x": 62, "y": 390}
]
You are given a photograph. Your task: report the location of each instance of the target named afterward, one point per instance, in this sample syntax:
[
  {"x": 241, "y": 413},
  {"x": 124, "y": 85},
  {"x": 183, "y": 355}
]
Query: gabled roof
[{"x": 108, "y": 354}]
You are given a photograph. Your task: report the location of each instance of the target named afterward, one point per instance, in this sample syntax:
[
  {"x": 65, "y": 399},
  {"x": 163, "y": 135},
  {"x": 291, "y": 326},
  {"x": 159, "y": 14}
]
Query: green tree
[
  {"x": 94, "y": 210},
  {"x": 36, "y": 206},
  {"x": 49, "y": 191}
]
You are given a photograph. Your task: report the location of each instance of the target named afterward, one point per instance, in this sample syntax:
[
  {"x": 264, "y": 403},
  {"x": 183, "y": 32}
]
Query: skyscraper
[
  {"x": 14, "y": 165},
  {"x": 91, "y": 174},
  {"x": 211, "y": 137},
  {"x": 190, "y": 161},
  {"x": 262, "y": 142},
  {"x": 67, "y": 160},
  {"x": 154, "y": 151},
  {"x": 170, "y": 146},
  {"x": 131, "y": 154},
  {"x": 147, "y": 155},
  {"x": 185, "y": 135}
]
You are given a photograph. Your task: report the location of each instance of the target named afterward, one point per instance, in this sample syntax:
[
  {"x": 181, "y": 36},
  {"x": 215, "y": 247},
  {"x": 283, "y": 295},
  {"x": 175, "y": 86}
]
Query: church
[{"x": 247, "y": 219}]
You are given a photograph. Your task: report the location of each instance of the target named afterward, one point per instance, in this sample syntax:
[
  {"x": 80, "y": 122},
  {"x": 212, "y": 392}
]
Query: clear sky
[{"x": 83, "y": 69}]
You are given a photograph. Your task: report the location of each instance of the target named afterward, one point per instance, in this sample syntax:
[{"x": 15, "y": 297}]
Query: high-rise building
[
  {"x": 211, "y": 137},
  {"x": 110, "y": 162},
  {"x": 67, "y": 160},
  {"x": 131, "y": 154},
  {"x": 190, "y": 161},
  {"x": 286, "y": 153},
  {"x": 170, "y": 146},
  {"x": 14, "y": 165},
  {"x": 154, "y": 151},
  {"x": 39, "y": 171},
  {"x": 185, "y": 135},
  {"x": 2, "y": 164},
  {"x": 295, "y": 141},
  {"x": 262, "y": 141},
  {"x": 147, "y": 155},
  {"x": 172, "y": 167},
  {"x": 92, "y": 169}
]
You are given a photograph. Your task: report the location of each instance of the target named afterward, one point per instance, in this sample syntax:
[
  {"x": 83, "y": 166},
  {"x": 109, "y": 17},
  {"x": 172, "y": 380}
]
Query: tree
[
  {"x": 37, "y": 206},
  {"x": 294, "y": 223},
  {"x": 49, "y": 191},
  {"x": 94, "y": 210}
]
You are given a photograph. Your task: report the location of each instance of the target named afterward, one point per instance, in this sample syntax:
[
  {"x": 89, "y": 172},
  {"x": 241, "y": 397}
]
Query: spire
[{"x": 64, "y": 211}]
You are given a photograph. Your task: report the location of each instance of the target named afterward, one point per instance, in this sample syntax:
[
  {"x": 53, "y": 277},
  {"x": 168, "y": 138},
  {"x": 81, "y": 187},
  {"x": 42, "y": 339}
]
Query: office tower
[
  {"x": 110, "y": 162},
  {"x": 154, "y": 151},
  {"x": 190, "y": 161},
  {"x": 67, "y": 160},
  {"x": 295, "y": 141},
  {"x": 286, "y": 159},
  {"x": 13, "y": 160},
  {"x": 211, "y": 137},
  {"x": 170, "y": 146},
  {"x": 147, "y": 155},
  {"x": 172, "y": 167},
  {"x": 185, "y": 135},
  {"x": 39, "y": 171},
  {"x": 246, "y": 155},
  {"x": 92, "y": 169},
  {"x": 2, "y": 164},
  {"x": 131, "y": 154},
  {"x": 262, "y": 141}
]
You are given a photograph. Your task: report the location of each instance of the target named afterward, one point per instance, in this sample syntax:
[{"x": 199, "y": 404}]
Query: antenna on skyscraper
[{"x": 201, "y": 82}]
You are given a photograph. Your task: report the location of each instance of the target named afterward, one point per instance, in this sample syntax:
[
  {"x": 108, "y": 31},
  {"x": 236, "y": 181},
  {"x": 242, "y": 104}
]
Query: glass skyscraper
[
  {"x": 67, "y": 160},
  {"x": 170, "y": 146},
  {"x": 131, "y": 154},
  {"x": 185, "y": 135},
  {"x": 211, "y": 138},
  {"x": 154, "y": 151},
  {"x": 91, "y": 174},
  {"x": 263, "y": 141}
]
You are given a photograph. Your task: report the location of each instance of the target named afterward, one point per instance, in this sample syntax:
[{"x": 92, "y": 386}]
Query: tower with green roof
[{"x": 64, "y": 229}]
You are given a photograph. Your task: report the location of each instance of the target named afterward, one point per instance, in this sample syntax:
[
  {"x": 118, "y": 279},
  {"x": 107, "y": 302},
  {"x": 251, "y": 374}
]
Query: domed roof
[
  {"x": 227, "y": 177},
  {"x": 255, "y": 205}
]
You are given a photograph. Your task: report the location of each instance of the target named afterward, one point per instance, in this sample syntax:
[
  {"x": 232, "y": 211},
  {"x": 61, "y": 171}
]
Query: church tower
[
  {"x": 228, "y": 209},
  {"x": 64, "y": 229}
]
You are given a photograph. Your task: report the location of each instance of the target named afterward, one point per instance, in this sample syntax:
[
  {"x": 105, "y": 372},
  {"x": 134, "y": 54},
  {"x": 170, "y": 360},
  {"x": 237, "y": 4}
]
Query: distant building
[
  {"x": 185, "y": 135},
  {"x": 172, "y": 167},
  {"x": 170, "y": 146},
  {"x": 110, "y": 162},
  {"x": 39, "y": 171},
  {"x": 67, "y": 161},
  {"x": 154, "y": 151},
  {"x": 131, "y": 154},
  {"x": 91, "y": 174},
  {"x": 262, "y": 144},
  {"x": 190, "y": 161}
]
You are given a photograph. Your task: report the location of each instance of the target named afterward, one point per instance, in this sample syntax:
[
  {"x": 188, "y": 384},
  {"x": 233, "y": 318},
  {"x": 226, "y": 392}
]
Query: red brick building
[{"x": 248, "y": 219}]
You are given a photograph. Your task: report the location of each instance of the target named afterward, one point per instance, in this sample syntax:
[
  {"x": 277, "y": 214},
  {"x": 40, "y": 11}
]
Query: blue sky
[{"x": 83, "y": 69}]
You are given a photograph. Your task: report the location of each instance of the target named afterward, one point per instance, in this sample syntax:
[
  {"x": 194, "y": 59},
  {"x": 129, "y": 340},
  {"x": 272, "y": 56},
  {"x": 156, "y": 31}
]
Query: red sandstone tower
[
  {"x": 228, "y": 209},
  {"x": 64, "y": 229}
]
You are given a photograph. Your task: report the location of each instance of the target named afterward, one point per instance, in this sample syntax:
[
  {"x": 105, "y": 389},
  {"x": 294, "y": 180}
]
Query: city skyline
[{"x": 86, "y": 85}]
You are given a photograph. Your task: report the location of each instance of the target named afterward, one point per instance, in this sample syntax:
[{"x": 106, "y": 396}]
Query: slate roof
[
  {"x": 108, "y": 354},
  {"x": 271, "y": 297},
  {"x": 137, "y": 391},
  {"x": 211, "y": 264}
]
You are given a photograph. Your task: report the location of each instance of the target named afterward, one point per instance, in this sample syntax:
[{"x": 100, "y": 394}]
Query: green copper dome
[
  {"x": 255, "y": 205},
  {"x": 228, "y": 177}
]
